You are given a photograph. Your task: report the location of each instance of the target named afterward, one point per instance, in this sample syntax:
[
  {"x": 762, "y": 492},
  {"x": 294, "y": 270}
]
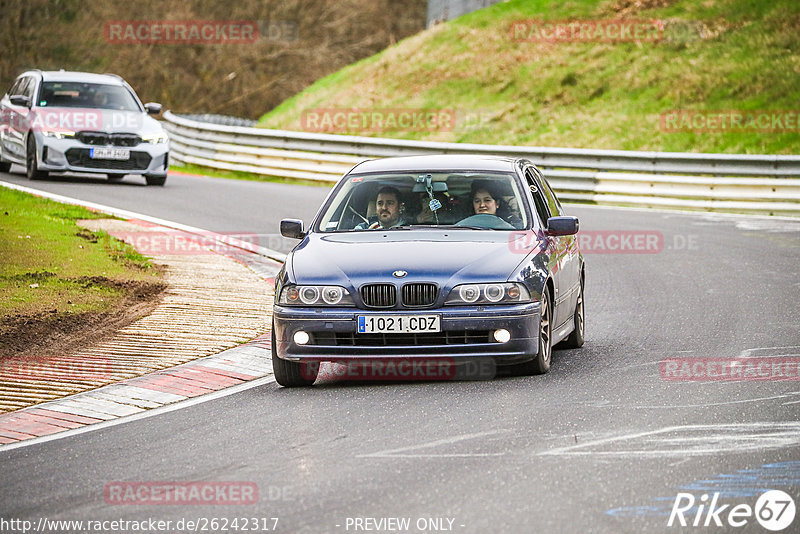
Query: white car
[{"x": 58, "y": 121}]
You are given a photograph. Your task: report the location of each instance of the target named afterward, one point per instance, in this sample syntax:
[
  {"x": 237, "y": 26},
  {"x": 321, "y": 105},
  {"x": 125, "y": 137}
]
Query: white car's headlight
[
  {"x": 315, "y": 296},
  {"x": 155, "y": 139},
  {"x": 60, "y": 135},
  {"x": 499, "y": 293}
]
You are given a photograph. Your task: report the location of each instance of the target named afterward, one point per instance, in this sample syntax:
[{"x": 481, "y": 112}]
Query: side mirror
[
  {"x": 292, "y": 228},
  {"x": 153, "y": 108},
  {"x": 562, "y": 226},
  {"x": 21, "y": 100}
]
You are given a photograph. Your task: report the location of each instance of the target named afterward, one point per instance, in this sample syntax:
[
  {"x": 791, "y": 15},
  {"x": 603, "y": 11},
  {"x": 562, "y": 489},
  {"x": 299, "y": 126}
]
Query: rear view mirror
[
  {"x": 153, "y": 108},
  {"x": 21, "y": 100},
  {"x": 436, "y": 187},
  {"x": 562, "y": 226},
  {"x": 292, "y": 228}
]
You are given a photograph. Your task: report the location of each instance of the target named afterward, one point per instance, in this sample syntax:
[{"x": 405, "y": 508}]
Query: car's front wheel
[
  {"x": 540, "y": 364},
  {"x": 292, "y": 374},
  {"x": 31, "y": 164}
]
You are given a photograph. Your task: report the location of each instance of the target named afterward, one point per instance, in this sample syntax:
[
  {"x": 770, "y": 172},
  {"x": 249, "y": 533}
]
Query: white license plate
[
  {"x": 398, "y": 324},
  {"x": 110, "y": 153}
]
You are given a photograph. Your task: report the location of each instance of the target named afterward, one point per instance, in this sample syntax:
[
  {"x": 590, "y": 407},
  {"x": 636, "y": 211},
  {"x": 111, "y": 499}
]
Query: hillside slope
[{"x": 519, "y": 88}]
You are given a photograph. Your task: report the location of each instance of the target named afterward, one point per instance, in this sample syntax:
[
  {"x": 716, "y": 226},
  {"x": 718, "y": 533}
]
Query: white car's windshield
[
  {"x": 484, "y": 200},
  {"x": 86, "y": 95}
]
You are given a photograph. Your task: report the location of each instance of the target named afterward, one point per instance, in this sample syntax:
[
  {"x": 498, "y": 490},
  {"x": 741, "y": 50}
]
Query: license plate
[
  {"x": 110, "y": 153},
  {"x": 398, "y": 324}
]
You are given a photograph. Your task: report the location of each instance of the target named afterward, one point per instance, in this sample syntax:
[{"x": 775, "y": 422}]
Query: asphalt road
[{"x": 603, "y": 443}]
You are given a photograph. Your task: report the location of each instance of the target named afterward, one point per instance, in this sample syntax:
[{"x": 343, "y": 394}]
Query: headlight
[
  {"x": 500, "y": 293},
  {"x": 155, "y": 139},
  {"x": 60, "y": 135},
  {"x": 315, "y": 296}
]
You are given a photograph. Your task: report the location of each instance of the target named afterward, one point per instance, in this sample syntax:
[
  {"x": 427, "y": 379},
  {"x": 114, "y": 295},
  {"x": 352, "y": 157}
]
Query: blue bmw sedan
[{"x": 419, "y": 264}]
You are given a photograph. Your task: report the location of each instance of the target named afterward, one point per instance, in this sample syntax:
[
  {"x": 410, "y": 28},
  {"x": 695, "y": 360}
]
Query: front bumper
[
  {"x": 334, "y": 337},
  {"x": 70, "y": 155}
]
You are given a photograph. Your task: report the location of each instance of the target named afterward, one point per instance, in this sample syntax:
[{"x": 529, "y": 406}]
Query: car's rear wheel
[
  {"x": 155, "y": 180},
  {"x": 540, "y": 364},
  {"x": 112, "y": 177},
  {"x": 31, "y": 164},
  {"x": 575, "y": 339},
  {"x": 292, "y": 374}
]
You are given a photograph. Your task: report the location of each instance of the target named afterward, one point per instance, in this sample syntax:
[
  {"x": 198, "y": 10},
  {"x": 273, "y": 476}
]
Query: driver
[{"x": 390, "y": 210}]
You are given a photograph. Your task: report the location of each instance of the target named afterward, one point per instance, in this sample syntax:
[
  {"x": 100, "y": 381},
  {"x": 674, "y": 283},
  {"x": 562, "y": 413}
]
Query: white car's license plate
[
  {"x": 398, "y": 324},
  {"x": 110, "y": 153}
]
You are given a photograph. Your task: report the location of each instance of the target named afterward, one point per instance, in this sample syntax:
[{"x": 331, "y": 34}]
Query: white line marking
[
  {"x": 606, "y": 404},
  {"x": 734, "y": 217},
  {"x": 723, "y": 438},
  {"x": 747, "y": 353},
  {"x": 142, "y": 415},
  {"x": 393, "y": 453}
]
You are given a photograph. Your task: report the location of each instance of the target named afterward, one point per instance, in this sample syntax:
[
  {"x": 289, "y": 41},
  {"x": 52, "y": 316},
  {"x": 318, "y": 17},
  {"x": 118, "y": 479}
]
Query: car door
[
  {"x": 16, "y": 120},
  {"x": 555, "y": 249},
  {"x": 569, "y": 269}
]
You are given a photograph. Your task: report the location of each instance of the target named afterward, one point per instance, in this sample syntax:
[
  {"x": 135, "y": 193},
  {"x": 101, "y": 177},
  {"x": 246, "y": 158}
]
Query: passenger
[
  {"x": 485, "y": 198},
  {"x": 390, "y": 210},
  {"x": 100, "y": 99}
]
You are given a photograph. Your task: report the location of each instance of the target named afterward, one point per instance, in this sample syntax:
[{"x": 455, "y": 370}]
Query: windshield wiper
[{"x": 445, "y": 227}]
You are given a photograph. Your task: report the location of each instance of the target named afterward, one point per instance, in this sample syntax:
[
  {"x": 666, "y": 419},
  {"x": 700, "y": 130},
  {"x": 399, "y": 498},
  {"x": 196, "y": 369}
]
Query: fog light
[
  {"x": 301, "y": 337},
  {"x": 501, "y": 336}
]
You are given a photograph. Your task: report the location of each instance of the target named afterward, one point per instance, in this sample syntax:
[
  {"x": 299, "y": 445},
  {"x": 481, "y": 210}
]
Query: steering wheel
[{"x": 485, "y": 220}]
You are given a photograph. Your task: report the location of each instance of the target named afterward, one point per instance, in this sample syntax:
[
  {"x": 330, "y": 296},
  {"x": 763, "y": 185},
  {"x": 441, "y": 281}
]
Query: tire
[
  {"x": 4, "y": 166},
  {"x": 31, "y": 166},
  {"x": 575, "y": 339},
  {"x": 540, "y": 364},
  {"x": 155, "y": 180},
  {"x": 291, "y": 374},
  {"x": 114, "y": 177}
]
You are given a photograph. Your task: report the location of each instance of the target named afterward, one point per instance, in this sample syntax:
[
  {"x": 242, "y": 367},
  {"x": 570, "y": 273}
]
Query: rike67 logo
[{"x": 774, "y": 510}]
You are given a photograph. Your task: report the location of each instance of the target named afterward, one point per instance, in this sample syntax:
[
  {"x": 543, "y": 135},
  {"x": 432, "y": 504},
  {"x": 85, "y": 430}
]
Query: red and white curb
[
  {"x": 200, "y": 380},
  {"x": 239, "y": 366}
]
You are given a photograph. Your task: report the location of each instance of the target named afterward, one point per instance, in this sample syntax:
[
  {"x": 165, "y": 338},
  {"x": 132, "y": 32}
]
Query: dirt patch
[
  {"x": 53, "y": 334},
  {"x": 628, "y": 7}
]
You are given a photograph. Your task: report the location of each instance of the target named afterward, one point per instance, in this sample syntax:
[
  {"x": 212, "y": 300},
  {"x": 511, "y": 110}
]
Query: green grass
[
  {"x": 714, "y": 55},
  {"x": 49, "y": 264},
  {"x": 239, "y": 175}
]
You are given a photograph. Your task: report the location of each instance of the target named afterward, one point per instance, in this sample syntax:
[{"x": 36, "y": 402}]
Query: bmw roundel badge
[{"x": 399, "y": 274}]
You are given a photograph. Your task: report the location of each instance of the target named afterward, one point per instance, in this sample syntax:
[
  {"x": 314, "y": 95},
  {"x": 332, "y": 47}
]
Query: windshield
[
  {"x": 482, "y": 200},
  {"x": 86, "y": 95}
]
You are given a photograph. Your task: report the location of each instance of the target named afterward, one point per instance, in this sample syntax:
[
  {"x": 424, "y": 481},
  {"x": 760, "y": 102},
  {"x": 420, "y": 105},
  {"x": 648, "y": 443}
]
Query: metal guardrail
[{"x": 760, "y": 184}]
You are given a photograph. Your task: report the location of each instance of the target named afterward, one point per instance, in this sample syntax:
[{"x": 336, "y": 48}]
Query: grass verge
[
  {"x": 50, "y": 268},
  {"x": 713, "y": 56}
]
